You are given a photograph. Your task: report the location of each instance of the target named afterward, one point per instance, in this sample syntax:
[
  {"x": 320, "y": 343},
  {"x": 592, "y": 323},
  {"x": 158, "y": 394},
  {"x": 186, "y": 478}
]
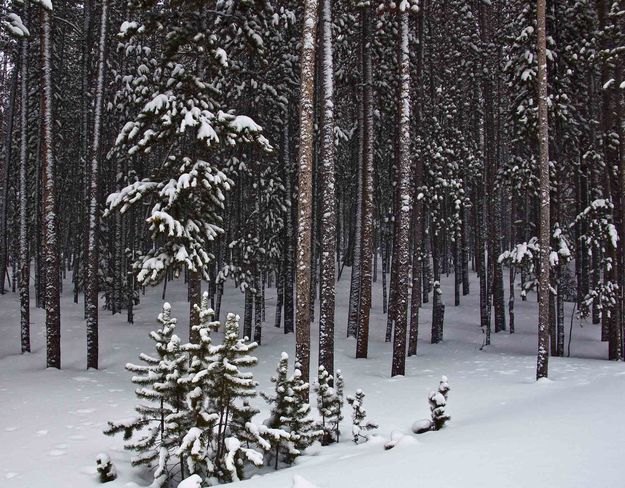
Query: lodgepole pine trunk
[
  {"x": 93, "y": 258},
  {"x": 542, "y": 362},
  {"x": 327, "y": 202},
  {"x": 49, "y": 217},
  {"x": 305, "y": 197},
  {"x": 402, "y": 255},
  {"x": 24, "y": 258},
  {"x": 368, "y": 209}
]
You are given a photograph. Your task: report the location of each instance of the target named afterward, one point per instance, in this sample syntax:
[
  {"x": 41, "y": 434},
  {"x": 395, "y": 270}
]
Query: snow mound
[
  {"x": 300, "y": 482},
  {"x": 421, "y": 426},
  {"x": 193, "y": 481}
]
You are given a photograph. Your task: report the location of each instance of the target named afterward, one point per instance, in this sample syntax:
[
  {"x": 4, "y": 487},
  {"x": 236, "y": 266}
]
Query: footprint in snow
[
  {"x": 83, "y": 411},
  {"x": 83, "y": 379}
]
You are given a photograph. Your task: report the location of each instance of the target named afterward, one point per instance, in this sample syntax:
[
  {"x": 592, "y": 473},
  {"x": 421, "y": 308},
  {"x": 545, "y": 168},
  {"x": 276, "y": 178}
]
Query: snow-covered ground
[{"x": 506, "y": 429}]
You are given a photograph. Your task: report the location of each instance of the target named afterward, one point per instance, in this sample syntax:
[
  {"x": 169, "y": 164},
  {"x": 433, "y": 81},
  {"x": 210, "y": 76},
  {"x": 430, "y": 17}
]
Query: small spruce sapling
[
  {"x": 329, "y": 404},
  {"x": 227, "y": 388},
  {"x": 160, "y": 423},
  {"x": 197, "y": 444},
  {"x": 302, "y": 428},
  {"x": 360, "y": 426},
  {"x": 438, "y": 402},
  {"x": 281, "y": 409},
  {"x": 106, "y": 469}
]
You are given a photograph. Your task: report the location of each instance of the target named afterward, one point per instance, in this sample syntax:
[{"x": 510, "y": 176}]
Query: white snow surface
[{"x": 506, "y": 430}]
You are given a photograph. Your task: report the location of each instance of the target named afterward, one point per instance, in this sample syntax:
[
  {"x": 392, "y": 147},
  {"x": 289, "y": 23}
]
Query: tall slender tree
[
  {"x": 542, "y": 368},
  {"x": 92, "y": 278},
  {"x": 305, "y": 200},
  {"x": 327, "y": 204}
]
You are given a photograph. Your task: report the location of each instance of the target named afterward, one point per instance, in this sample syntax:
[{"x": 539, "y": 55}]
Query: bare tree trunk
[
  {"x": 402, "y": 257},
  {"x": 368, "y": 209},
  {"x": 195, "y": 300},
  {"x": 93, "y": 259},
  {"x": 258, "y": 309},
  {"x": 24, "y": 259},
  {"x": 328, "y": 196},
  {"x": 50, "y": 238},
  {"x": 289, "y": 251},
  {"x": 5, "y": 170},
  {"x": 302, "y": 327},
  {"x": 542, "y": 364},
  {"x": 354, "y": 290}
]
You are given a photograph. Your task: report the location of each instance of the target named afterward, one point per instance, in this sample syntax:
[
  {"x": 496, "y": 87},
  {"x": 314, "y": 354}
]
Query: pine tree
[
  {"x": 189, "y": 120},
  {"x": 289, "y": 421},
  {"x": 542, "y": 361},
  {"x": 49, "y": 196},
  {"x": 93, "y": 258},
  {"x": 159, "y": 427},
  {"x": 329, "y": 404},
  {"x": 438, "y": 402},
  {"x": 302, "y": 427},
  {"x": 227, "y": 385},
  {"x": 197, "y": 446},
  {"x": 305, "y": 187},
  {"x": 360, "y": 427},
  {"x": 280, "y": 417}
]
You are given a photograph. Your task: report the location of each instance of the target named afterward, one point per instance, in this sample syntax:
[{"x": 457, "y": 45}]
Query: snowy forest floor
[{"x": 506, "y": 429}]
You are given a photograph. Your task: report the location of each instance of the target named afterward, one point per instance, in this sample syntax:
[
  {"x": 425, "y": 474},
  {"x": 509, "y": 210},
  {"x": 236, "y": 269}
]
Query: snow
[
  {"x": 506, "y": 429},
  {"x": 16, "y": 26},
  {"x": 193, "y": 481},
  {"x": 300, "y": 482}
]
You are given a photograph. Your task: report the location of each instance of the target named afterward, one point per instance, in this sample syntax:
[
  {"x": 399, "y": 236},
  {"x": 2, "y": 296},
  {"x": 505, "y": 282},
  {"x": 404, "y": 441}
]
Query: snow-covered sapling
[
  {"x": 227, "y": 388},
  {"x": 281, "y": 408},
  {"x": 360, "y": 426},
  {"x": 302, "y": 427},
  {"x": 289, "y": 427},
  {"x": 160, "y": 421},
  {"x": 106, "y": 469},
  {"x": 329, "y": 404},
  {"x": 438, "y": 402}
]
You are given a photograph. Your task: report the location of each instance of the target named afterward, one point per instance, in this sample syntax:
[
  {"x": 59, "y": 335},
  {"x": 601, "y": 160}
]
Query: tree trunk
[
  {"x": 195, "y": 300},
  {"x": 289, "y": 251},
  {"x": 368, "y": 209},
  {"x": 305, "y": 198},
  {"x": 542, "y": 364},
  {"x": 93, "y": 258},
  {"x": 24, "y": 259},
  {"x": 50, "y": 238},
  {"x": 5, "y": 170},
  {"x": 327, "y": 202},
  {"x": 402, "y": 257}
]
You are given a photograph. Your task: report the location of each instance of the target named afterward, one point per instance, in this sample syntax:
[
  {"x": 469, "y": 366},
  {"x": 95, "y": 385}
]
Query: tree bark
[
  {"x": 93, "y": 258},
  {"x": 24, "y": 259},
  {"x": 50, "y": 238},
  {"x": 542, "y": 364},
  {"x": 402, "y": 257},
  {"x": 368, "y": 209},
  {"x": 303, "y": 276},
  {"x": 327, "y": 202}
]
